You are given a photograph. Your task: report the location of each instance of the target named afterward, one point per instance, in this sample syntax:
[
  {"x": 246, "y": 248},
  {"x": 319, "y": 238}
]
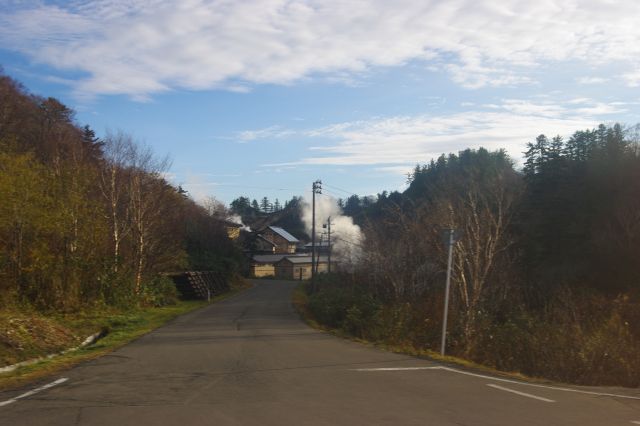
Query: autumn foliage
[{"x": 88, "y": 221}]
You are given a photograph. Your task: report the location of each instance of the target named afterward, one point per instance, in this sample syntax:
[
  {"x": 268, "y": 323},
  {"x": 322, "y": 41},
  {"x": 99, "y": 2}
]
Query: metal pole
[
  {"x": 319, "y": 253},
  {"x": 313, "y": 231},
  {"x": 315, "y": 189},
  {"x": 446, "y": 294},
  {"x": 329, "y": 244}
]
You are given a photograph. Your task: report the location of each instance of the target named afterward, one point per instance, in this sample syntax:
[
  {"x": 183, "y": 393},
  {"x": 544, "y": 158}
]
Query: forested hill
[
  {"x": 574, "y": 208},
  {"x": 545, "y": 273},
  {"x": 85, "y": 220}
]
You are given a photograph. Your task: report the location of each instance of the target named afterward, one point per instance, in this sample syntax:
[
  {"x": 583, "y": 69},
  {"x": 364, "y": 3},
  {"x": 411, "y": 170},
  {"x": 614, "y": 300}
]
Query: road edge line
[{"x": 33, "y": 391}]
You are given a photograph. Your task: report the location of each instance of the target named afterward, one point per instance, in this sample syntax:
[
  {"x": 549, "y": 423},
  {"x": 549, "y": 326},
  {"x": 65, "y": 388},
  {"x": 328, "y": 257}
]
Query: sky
[{"x": 262, "y": 97}]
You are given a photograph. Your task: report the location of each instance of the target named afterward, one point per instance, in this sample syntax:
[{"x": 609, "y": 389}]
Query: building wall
[
  {"x": 233, "y": 232},
  {"x": 289, "y": 271},
  {"x": 263, "y": 270},
  {"x": 282, "y": 245}
]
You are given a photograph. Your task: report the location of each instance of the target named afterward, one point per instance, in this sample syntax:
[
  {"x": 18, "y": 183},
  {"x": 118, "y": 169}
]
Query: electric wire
[{"x": 339, "y": 189}]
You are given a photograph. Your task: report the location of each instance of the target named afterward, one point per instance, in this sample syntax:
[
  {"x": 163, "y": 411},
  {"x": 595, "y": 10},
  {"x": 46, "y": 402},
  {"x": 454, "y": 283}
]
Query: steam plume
[{"x": 346, "y": 237}]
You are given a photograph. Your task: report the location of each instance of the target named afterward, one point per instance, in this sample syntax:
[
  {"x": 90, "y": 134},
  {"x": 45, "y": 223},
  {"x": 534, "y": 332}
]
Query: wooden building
[
  {"x": 264, "y": 265},
  {"x": 298, "y": 267},
  {"x": 284, "y": 242},
  {"x": 233, "y": 229}
]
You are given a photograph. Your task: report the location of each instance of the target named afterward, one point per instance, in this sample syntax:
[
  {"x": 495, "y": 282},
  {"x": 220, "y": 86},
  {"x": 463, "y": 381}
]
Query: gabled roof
[
  {"x": 267, "y": 241},
  {"x": 303, "y": 259},
  {"x": 284, "y": 234}
]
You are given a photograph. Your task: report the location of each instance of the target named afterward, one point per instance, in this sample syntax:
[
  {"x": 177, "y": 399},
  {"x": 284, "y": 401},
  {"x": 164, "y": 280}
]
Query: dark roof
[
  {"x": 230, "y": 224},
  {"x": 268, "y": 258},
  {"x": 266, "y": 240},
  {"x": 273, "y": 258},
  {"x": 303, "y": 259},
  {"x": 324, "y": 243},
  {"x": 284, "y": 234}
]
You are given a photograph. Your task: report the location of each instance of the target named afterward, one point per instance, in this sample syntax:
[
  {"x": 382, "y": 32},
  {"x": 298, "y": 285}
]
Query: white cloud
[
  {"x": 632, "y": 78},
  {"x": 271, "y": 132},
  {"x": 592, "y": 80},
  {"x": 396, "y": 143},
  {"x": 142, "y": 47}
]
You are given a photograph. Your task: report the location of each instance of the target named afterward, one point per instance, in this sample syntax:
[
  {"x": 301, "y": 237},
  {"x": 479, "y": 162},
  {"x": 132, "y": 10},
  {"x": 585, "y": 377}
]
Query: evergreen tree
[{"x": 265, "y": 205}]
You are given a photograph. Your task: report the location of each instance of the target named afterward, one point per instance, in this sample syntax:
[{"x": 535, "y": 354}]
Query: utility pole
[
  {"x": 319, "y": 252},
  {"x": 316, "y": 188},
  {"x": 328, "y": 226},
  {"x": 450, "y": 243}
]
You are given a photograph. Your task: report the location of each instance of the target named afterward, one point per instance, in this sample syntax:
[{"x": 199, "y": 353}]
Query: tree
[
  {"x": 240, "y": 206},
  {"x": 265, "y": 206},
  {"x": 115, "y": 174},
  {"x": 148, "y": 195},
  {"x": 215, "y": 208}
]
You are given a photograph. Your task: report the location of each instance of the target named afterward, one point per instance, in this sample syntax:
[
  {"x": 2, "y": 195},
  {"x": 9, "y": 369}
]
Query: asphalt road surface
[{"x": 249, "y": 360}]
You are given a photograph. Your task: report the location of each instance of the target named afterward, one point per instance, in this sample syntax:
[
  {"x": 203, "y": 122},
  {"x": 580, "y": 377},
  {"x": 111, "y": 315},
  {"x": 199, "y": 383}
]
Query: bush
[
  {"x": 348, "y": 309},
  {"x": 160, "y": 291}
]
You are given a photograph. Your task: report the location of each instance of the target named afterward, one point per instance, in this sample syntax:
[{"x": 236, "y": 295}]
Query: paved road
[{"x": 250, "y": 361}]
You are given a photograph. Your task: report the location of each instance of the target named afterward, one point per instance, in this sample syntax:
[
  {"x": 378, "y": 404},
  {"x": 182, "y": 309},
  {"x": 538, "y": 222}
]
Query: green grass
[{"x": 122, "y": 327}]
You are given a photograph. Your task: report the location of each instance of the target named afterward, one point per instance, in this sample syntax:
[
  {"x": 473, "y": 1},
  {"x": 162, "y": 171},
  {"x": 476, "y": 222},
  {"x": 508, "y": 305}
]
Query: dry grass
[{"x": 123, "y": 327}]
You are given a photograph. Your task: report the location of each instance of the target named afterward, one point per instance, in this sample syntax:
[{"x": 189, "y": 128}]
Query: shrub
[{"x": 160, "y": 291}]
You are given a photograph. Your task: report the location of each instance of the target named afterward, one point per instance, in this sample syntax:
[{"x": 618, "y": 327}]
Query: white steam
[
  {"x": 235, "y": 218},
  {"x": 346, "y": 236}
]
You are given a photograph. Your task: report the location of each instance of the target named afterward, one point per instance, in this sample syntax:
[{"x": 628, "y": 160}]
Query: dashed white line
[
  {"x": 33, "y": 392},
  {"x": 528, "y": 395}
]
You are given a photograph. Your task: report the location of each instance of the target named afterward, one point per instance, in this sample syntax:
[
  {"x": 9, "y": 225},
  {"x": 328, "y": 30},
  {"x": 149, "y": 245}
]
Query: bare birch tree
[
  {"x": 118, "y": 150},
  {"x": 147, "y": 196}
]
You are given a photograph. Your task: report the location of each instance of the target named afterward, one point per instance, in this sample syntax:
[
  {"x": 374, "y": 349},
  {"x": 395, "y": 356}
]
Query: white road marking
[
  {"x": 635, "y": 422},
  {"x": 398, "y": 368},
  {"x": 497, "y": 379},
  {"x": 33, "y": 392},
  {"x": 528, "y": 395}
]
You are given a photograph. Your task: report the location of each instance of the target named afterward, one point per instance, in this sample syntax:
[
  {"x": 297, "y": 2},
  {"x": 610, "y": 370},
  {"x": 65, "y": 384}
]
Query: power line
[
  {"x": 331, "y": 193},
  {"x": 340, "y": 189},
  {"x": 347, "y": 241},
  {"x": 257, "y": 187}
]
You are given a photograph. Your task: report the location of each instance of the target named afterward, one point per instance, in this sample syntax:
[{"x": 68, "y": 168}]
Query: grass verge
[
  {"x": 300, "y": 300},
  {"x": 122, "y": 326}
]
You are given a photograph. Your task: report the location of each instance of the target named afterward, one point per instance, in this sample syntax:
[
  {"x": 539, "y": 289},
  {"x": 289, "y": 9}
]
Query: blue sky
[{"x": 261, "y": 97}]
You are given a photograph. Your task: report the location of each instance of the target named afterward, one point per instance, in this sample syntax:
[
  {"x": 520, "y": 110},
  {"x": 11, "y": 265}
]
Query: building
[
  {"x": 284, "y": 242},
  {"x": 322, "y": 247},
  {"x": 298, "y": 267},
  {"x": 264, "y": 265},
  {"x": 263, "y": 245},
  {"x": 275, "y": 255},
  {"x": 233, "y": 229}
]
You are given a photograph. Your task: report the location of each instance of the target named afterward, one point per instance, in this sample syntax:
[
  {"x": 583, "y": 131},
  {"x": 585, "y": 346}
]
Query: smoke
[
  {"x": 346, "y": 236},
  {"x": 235, "y": 218}
]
